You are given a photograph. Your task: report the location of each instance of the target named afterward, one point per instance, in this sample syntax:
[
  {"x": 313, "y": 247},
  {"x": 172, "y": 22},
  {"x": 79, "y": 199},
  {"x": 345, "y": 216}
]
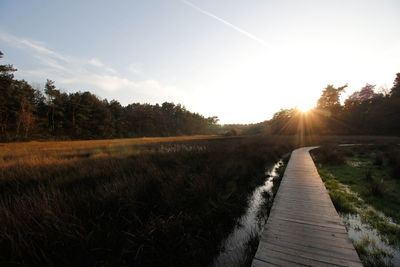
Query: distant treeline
[
  {"x": 28, "y": 113},
  {"x": 365, "y": 112}
]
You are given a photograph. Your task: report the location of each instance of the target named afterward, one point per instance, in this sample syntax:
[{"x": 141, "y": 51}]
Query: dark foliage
[
  {"x": 330, "y": 154},
  {"x": 26, "y": 113},
  {"x": 364, "y": 113}
]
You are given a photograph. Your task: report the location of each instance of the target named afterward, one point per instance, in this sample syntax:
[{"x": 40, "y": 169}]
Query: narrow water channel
[{"x": 249, "y": 225}]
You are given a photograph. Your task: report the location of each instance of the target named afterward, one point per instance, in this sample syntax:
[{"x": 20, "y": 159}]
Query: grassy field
[
  {"x": 358, "y": 177},
  {"x": 56, "y": 151},
  {"x": 371, "y": 171},
  {"x": 142, "y": 202}
]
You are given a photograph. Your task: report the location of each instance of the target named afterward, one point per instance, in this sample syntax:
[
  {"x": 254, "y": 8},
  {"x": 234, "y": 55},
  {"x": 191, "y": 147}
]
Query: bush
[
  {"x": 330, "y": 154},
  {"x": 232, "y": 132}
]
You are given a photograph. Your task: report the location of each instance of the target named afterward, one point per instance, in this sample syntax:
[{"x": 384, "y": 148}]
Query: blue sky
[{"x": 239, "y": 60}]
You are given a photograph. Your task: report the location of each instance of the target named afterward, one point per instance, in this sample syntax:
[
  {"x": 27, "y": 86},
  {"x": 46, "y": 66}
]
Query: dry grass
[
  {"x": 141, "y": 202},
  {"x": 136, "y": 202},
  {"x": 50, "y": 152}
]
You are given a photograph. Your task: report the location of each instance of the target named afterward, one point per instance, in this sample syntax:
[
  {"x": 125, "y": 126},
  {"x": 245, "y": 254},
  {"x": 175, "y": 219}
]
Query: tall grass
[{"x": 159, "y": 204}]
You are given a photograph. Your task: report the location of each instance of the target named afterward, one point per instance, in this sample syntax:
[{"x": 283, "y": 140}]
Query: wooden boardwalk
[{"x": 304, "y": 227}]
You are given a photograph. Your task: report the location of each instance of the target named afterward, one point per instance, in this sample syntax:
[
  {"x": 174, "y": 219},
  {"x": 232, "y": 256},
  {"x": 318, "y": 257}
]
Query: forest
[{"x": 28, "y": 113}]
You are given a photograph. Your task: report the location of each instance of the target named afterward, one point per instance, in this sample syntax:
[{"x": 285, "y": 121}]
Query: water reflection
[{"x": 250, "y": 224}]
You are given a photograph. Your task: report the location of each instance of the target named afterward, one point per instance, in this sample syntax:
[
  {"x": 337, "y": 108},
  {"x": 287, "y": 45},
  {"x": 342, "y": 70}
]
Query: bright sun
[{"x": 305, "y": 106}]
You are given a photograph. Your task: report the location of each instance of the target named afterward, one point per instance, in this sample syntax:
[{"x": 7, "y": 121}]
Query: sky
[{"x": 240, "y": 60}]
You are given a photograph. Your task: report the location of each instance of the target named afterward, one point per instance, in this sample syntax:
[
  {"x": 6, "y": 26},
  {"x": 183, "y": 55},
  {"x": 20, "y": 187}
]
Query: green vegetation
[
  {"x": 166, "y": 205},
  {"x": 378, "y": 185},
  {"x": 367, "y": 170},
  {"x": 370, "y": 255}
]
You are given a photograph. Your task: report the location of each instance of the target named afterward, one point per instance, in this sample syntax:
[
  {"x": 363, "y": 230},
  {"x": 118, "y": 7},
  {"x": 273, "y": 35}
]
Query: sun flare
[{"x": 305, "y": 106}]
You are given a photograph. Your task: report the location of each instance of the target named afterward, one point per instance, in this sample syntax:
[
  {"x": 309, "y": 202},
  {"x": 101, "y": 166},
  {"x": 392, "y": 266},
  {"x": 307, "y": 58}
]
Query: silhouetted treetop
[
  {"x": 395, "y": 91},
  {"x": 366, "y": 93},
  {"x": 330, "y": 98},
  {"x": 6, "y": 69}
]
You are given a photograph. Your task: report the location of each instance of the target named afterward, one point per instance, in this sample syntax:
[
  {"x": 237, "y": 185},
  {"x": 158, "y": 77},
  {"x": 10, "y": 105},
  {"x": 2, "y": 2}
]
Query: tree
[
  {"x": 54, "y": 102},
  {"x": 365, "y": 94},
  {"x": 83, "y": 115},
  {"x": 395, "y": 91},
  {"x": 24, "y": 98},
  {"x": 6, "y": 70},
  {"x": 6, "y": 81},
  {"x": 330, "y": 98}
]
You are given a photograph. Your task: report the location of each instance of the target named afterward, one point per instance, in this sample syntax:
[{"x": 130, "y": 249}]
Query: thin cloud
[
  {"x": 111, "y": 82},
  {"x": 38, "y": 47},
  {"x": 70, "y": 71},
  {"x": 227, "y": 23},
  {"x": 135, "y": 68},
  {"x": 50, "y": 62},
  {"x": 98, "y": 63}
]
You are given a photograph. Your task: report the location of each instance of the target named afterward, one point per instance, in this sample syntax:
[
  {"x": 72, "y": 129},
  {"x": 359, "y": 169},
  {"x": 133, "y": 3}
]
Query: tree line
[
  {"x": 364, "y": 112},
  {"x": 29, "y": 113}
]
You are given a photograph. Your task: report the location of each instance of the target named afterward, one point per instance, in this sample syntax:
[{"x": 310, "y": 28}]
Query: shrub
[
  {"x": 232, "y": 132},
  {"x": 330, "y": 154}
]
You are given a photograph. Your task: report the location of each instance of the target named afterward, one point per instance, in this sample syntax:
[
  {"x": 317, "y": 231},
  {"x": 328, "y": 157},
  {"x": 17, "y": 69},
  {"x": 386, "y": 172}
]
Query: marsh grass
[
  {"x": 375, "y": 184},
  {"x": 130, "y": 202},
  {"x": 343, "y": 200},
  {"x": 376, "y": 187},
  {"x": 330, "y": 154},
  {"x": 165, "y": 202},
  {"x": 370, "y": 255}
]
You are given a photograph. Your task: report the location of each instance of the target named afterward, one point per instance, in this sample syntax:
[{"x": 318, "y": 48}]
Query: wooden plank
[
  {"x": 272, "y": 261},
  {"x": 305, "y": 254},
  {"x": 257, "y": 263},
  {"x": 317, "y": 240},
  {"x": 324, "y": 251},
  {"x": 309, "y": 233},
  {"x": 300, "y": 226},
  {"x": 268, "y": 254},
  {"x": 304, "y": 227}
]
